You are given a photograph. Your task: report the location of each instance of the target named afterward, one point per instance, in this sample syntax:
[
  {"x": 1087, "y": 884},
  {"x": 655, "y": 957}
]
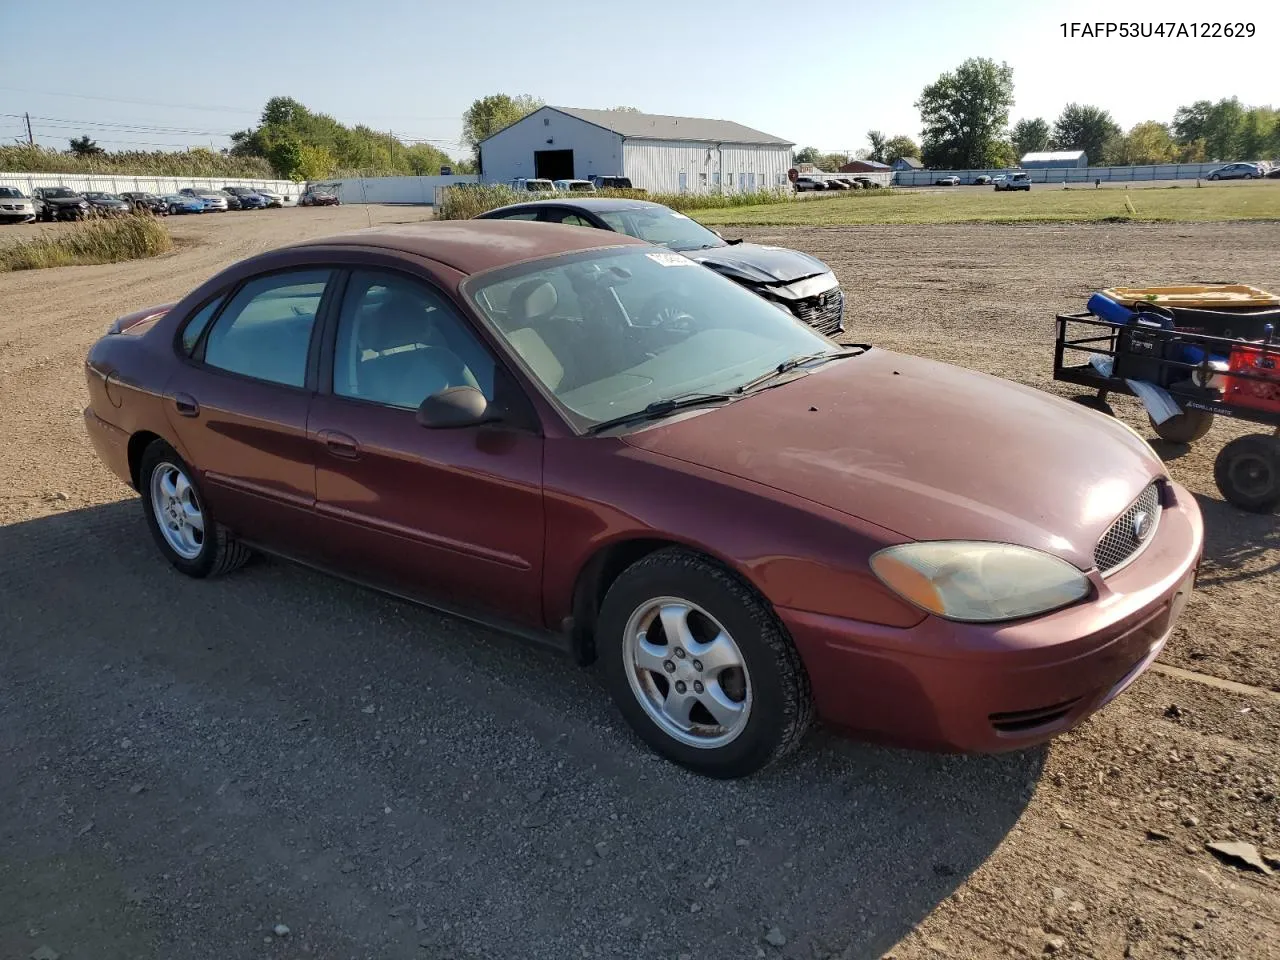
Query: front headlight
[{"x": 977, "y": 581}]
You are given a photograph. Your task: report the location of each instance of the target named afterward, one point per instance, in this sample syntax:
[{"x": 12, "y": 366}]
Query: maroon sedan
[{"x": 595, "y": 441}]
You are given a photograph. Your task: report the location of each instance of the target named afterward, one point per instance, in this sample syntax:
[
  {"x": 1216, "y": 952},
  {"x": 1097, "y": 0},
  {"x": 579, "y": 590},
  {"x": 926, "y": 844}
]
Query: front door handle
[
  {"x": 340, "y": 445},
  {"x": 186, "y": 405}
]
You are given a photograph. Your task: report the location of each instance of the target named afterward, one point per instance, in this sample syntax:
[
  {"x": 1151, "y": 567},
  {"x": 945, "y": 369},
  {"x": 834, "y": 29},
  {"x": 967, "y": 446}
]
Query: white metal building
[
  {"x": 1054, "y": 159},
  {"x": 658, "y": 153}
]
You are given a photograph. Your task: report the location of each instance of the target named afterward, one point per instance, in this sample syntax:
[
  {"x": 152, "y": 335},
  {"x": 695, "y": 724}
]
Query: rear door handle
[
  {"x": 186, "y": 405},
  {"x": 340, "y": 445}
]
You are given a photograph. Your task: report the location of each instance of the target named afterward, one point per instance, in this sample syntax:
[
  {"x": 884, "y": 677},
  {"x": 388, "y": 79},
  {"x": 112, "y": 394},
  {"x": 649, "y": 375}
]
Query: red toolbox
[{"x": 1260, "y": 362}]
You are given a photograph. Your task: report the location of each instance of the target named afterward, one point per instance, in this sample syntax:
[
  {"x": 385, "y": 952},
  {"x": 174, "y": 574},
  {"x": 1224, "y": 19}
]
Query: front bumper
[{"x": 989, "y": 688}]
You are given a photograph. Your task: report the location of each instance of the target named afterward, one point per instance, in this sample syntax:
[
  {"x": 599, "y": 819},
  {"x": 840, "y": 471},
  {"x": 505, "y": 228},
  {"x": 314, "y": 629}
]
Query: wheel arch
[
  {"x": 604, "y": 566},
  {"x": 138, "y": 444}
]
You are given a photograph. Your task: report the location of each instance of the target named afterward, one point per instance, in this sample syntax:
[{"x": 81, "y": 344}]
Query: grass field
[{"x": 1042, "y": 204}]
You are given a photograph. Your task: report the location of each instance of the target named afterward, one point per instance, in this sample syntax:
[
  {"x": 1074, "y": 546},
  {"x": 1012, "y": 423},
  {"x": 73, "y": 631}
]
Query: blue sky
[{"x": 820, "y": 74}]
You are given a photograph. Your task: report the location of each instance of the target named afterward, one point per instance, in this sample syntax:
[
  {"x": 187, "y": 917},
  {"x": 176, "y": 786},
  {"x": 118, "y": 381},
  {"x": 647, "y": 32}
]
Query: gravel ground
[{"x": 191, "y": 768}]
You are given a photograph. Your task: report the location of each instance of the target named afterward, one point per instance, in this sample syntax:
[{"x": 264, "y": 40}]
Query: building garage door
[{"x": 553, "y": 164}]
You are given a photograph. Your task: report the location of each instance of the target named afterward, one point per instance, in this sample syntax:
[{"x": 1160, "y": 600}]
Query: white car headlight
[{"x": 977, "y": 581}]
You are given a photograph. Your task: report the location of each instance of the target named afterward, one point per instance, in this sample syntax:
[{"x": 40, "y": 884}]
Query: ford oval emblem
[{"x": 1141, "y": 525}]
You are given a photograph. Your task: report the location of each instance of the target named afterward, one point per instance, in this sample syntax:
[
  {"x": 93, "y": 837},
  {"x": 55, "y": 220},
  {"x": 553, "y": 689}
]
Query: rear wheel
[
  {"x": 179, "y": 519},
  {"x": 1186, "y": 427},
  {"x": 700, "y": 666},
  {"x": 1247, "y": 472}
]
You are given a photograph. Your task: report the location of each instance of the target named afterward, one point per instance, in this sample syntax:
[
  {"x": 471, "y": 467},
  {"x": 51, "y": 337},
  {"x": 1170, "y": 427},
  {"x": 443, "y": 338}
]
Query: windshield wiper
[
  {"x": 791, "y": 363},
  {"x": 661, "y": 408}
]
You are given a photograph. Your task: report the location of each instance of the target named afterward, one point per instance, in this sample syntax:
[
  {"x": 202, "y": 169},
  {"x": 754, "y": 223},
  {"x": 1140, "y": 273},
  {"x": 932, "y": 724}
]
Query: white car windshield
[
  {"x": 661, "y": 225},
  {"x": 607, "y": 333}
]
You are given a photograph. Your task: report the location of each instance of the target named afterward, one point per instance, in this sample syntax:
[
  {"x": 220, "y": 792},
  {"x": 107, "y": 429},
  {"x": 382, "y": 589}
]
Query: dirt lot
[{"x": 188, "y": 764}]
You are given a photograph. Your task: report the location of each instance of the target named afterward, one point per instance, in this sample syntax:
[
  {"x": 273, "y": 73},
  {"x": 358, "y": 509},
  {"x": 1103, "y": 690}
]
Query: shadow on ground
[
  {"x": 190, "y": 763},
  {"x": 1238, "y": 545}
]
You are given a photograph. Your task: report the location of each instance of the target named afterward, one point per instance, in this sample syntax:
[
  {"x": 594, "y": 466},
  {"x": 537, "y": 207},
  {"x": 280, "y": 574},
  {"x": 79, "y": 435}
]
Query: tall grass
[
  {"x": 93, "y": 241},
  {"x": 465, "y": 202},
  {"x": 197, "y": 162}
]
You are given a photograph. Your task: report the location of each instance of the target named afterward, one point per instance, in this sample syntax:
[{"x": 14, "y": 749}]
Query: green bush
[
  {"x": 103, "y": 240},
  {"x": 466, "y": 201},
  {"x": 183, "y": 163}
]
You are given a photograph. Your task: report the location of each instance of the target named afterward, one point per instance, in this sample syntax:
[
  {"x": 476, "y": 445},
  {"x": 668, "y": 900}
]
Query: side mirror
[{"x": 456, "y": 407}]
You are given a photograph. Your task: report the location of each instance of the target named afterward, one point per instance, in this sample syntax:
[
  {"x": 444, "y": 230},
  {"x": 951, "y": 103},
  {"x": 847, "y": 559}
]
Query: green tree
[
  {"x": 1149, "y": 142},
  {"x": 807, "y": 155},
  {"x": 1223, "y": 129},
  {"x": 626, "y": 109},
  {"x": 315, "y": 163},
  {"x": 1030, "y": 135},
  {"x": 878, "y": 141},
  {"x": 1257, "y": 133},
  {"x": 900, "y": 146},
  {"x": 1087, "y": 128},
  {"x": 964, "y": 113},
  {"x": 488, "y": 115},
  {"x": 84, "y": 147},
  {"x": 1189, "y": 123}
]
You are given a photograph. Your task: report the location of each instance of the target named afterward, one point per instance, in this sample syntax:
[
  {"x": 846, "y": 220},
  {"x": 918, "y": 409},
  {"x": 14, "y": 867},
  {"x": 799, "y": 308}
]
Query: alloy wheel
[{"x": 177, "y": 510}]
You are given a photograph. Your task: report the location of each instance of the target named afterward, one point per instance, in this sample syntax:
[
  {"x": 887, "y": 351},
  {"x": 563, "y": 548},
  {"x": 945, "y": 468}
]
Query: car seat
[{"x": 530, "y": 303}]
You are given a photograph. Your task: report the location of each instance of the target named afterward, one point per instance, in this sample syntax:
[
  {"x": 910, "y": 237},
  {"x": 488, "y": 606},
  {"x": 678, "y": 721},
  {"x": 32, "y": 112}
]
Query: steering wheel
[{"x": 666, "y": 311}]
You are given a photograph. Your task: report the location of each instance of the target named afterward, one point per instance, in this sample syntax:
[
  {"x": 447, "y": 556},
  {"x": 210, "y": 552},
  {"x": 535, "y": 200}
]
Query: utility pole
[{"x": 31, "y": 141}]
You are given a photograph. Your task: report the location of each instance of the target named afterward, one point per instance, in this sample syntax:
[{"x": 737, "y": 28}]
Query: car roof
[
  {"x": 472, "y": 246},
  {"x": 598, "y": 204}
]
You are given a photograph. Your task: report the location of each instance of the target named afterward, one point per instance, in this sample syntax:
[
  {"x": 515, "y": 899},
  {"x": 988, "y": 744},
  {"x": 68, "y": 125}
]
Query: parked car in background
[
  {"x": 213, "y": 199},
  {"x": 273, "y": 199},
  {"x": 531, "y": 185},
  {"x": 611, "y": 183},
  {"x": 981, "y": 180},
  {"x": 314, "y": 196},
  {"x": 952, "y": 181},
  {"x": 107, "y": 204},
  {"x": 1235, "y": 171},
  {"x": 59, "y": 203},
  {"x": 1012, "y": 181},
  {"x": 746, "y": 524},
  {"x": 141, "y": 201},
  {"x": 805, "y": 182},
  {"x": 851, "y": 183},
  {"x": 574, "y": 186},
  {"x": 835, "y": 183},
  {"x": 868, "y": 183},
  {"x": 248, "y": 199},
  {"x": 177, "y": 203},
  {"x": 800, "y": 284},
  {"x": 16, "y": 206}
]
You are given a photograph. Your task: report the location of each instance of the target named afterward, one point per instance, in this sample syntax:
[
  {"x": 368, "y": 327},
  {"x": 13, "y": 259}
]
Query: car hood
[
  {"x": 756, "y": 263},
  {"x": 928, "y": 450},
  {"x": 63, "y": 201}
]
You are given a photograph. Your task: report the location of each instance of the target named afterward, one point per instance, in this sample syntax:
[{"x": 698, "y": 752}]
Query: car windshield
[
  {"x": 582, "y": 185},
  {"x": 58, "y": 193},
  {"x": 659, "y": 225},
  {"x": 608, "y": 333},
  {"x": 11, "y": 193}
]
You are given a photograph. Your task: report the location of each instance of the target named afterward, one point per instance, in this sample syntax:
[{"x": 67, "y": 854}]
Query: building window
[
  {"x": 684, "y": 182},
  {"x": 702, "y": 180},
  {"x": 715, "y": 179},
  {"x": 751, "y": 182},
  {"x": 546, "y": 121},
  {"x": 742, "y": 181}
]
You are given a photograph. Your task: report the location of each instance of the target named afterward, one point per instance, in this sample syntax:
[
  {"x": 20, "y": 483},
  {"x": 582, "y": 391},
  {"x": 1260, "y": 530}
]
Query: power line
[{"x": 146, "y": 103}]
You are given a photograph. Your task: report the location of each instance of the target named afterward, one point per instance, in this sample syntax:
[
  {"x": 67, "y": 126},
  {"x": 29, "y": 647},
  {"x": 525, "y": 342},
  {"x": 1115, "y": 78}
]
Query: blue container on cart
[{"x": 1104, "y": 308}]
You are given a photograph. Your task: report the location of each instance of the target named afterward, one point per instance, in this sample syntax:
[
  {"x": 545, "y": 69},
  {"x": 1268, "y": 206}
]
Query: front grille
[
  {"x": 1122, "y": 543},
  {"x": 1023, "y": 721},
  {"x": 823, "y": 312}
]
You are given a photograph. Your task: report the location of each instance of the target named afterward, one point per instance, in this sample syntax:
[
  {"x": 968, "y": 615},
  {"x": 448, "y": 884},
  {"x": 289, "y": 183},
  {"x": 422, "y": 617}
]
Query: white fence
[
  {"x": 408, "y": 190},
  {"x": 1162, "y": 171},
  {"x": 121, "y": 183}
]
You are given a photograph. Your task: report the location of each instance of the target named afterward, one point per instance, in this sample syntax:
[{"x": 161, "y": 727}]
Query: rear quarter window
[{"x": 197, "y": 323}]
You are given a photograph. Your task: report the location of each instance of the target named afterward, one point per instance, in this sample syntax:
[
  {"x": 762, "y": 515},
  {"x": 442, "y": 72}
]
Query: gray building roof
[{"x": 652, "y": 126}]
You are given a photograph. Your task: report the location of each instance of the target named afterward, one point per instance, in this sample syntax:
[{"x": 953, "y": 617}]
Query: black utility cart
[{"x": 1247, "y": 470}]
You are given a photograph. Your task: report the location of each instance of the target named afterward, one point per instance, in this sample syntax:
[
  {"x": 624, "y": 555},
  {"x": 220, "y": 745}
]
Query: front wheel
[
  {"x": 701, "y": 667},
  {"x": 1247, "y": 472},
  {"x": 184, "y": 529},
  {"x": 1213, "y": 176}
]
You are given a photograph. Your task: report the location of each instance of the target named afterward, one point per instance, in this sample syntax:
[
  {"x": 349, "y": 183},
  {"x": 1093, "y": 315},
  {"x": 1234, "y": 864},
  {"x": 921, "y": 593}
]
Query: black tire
[
  {"x": 1247, "y": 472},
  {"x": 1187, "y": 427},
  {"x": 220, "y": 553},
  {"x": 1094, "y": 402},
  {"x": 1212, "y": 176},
  {"x": 781, "y": 704}
]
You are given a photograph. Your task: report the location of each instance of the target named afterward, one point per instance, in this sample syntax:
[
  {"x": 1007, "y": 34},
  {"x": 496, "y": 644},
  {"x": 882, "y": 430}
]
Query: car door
[
  {"x": 453, "y": 516},
  {"x": 239, "y": 406}
]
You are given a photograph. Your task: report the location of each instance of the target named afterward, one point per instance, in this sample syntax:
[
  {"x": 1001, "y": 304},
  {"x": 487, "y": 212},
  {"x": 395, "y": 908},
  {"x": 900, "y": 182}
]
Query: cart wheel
[
  {"x": 1186, "y": 427},
  {"x": 1247, "y": 472},
  {"x": 1094, "y": 402}
]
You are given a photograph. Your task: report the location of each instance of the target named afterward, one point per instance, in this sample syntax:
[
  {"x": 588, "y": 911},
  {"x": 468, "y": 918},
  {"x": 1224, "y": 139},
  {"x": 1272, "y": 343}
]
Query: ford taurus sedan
[
  {"x": 797, "y": 282},
  {"x": 744, "y": 522}
]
